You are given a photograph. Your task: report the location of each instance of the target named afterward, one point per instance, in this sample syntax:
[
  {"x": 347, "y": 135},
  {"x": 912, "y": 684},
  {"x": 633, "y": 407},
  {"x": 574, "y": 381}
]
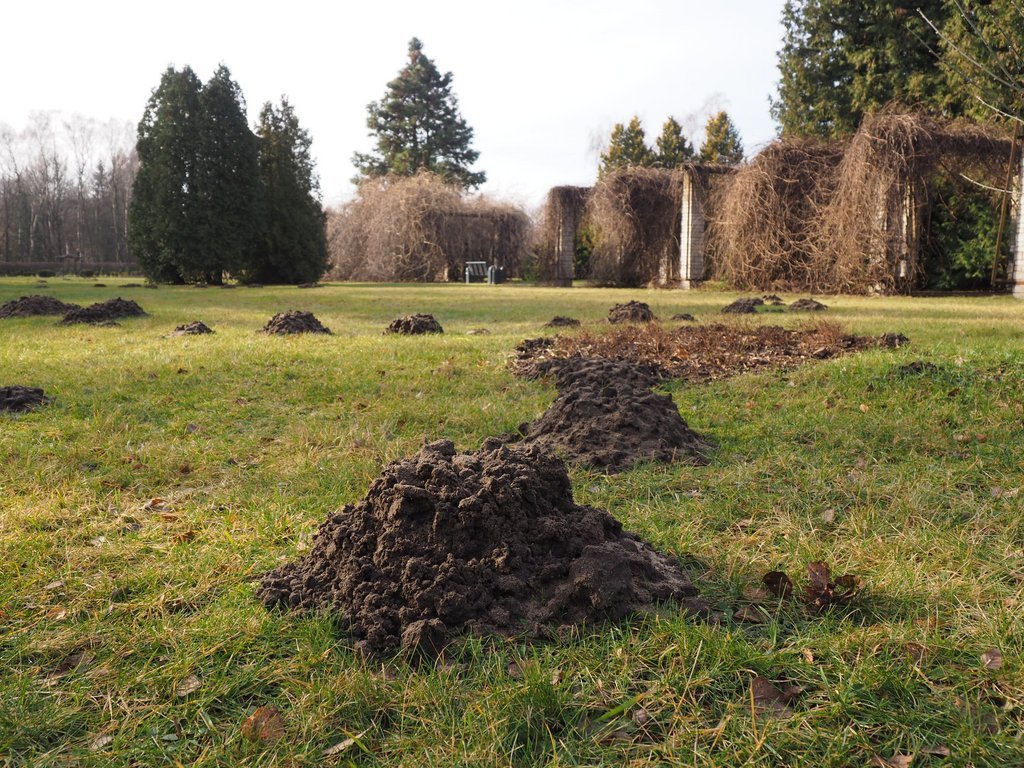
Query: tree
[
  {"x": 417, "y": 126},
  {"x": 627, "y": 147},
  {"x": 841, "y": 59},
  {"x": 292, "y": 246},
  {"x": 721, "y": 141},
  {"x": 163, "y": 218},
  {"x": 672, "y": 147}
]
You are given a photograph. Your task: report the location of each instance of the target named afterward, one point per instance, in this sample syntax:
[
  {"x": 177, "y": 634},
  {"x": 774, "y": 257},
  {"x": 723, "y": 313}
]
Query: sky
[{"x": 541, "y": 83}]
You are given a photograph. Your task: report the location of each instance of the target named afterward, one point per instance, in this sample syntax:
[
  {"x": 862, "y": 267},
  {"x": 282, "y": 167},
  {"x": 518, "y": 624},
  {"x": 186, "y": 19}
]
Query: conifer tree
[
  {"x": 721, "y": 141},
  {"x": 672, "y": 148},
  {"x": 293, "y": 244},
  {"x": 164, "y": 210},
  {"x": 418, "y": 127},
  {"x": 627, "y": 146}
]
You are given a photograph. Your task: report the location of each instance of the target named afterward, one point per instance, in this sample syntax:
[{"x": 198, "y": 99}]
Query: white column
[
  {"x": 691, "y": 237},
  {"x": 1016, "y": 276}
]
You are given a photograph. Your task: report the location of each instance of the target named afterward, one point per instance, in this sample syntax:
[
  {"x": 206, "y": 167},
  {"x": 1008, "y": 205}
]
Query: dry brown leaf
[
  {"x": 828, "y": 516},
  {"x": 100, "y": 742},
  {"x": 54, "y": 585},
  {"x": 778, "y": 583},
  {"x": 864, "y": 407},
  {"x": 264, "y": 726},
  {"x": 808, "y": 655},
  {"x": 769, "y": 700},
  {"x": 992, "y": 659},
  {"x": 939, "y": 750},
  {"x": 896, "y": 761},
  {"x": 750, "y": 614},
  {"x": 916, "y": 652},
  {"x": 190, "y": 684}
]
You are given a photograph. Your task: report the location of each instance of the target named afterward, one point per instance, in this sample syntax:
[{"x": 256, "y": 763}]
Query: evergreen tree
[
  {"x": 672, "y": 147},
  {"x": 228, "y": 182},
  {"x": 163, "y": 215},
  {"x": 293, "y": 240},
  {"x": 417, "y": 126},
  {"x": 721, "y": 141},
  {"x": 841, "y": 59},
  {"x": 627, "y": 147}
]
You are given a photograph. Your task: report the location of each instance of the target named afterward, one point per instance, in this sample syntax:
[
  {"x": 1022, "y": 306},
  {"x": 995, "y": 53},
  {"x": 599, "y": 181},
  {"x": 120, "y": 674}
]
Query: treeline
[{"x": 65, "y": 187}]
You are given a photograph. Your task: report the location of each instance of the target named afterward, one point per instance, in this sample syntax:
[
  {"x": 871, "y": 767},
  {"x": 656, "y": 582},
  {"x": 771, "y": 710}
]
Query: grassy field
[{"x": 137, "y": 508}]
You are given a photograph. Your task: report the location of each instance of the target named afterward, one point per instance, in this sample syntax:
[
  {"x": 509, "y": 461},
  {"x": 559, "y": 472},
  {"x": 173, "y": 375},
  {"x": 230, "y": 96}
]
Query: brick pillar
[{"x": 691, "y": 237}]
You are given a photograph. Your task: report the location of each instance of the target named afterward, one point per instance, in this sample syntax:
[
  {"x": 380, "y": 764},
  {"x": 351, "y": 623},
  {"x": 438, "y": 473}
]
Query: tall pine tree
[
  {"x": 627, "y": 146},
  {"x": 163, "y": 218},
  {"x": 293, "y": 243},
  {"x": 418, "y": 127},
  {"x": 672, "y": 148},
  {"x": 721, "y": 141}
]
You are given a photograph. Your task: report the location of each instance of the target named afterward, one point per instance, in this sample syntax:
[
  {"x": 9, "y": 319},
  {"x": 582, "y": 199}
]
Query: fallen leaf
[
  {"x": 641, "y": 716},
  {"x": 156, "y": 504},
  {"x": 514, "y": 670},
  {"x": 992, "y": 659},
  {"x": 939, "y": 750},
  {"x": 750, "y": 614},
  {"x": 896, "y": 761},
  {"x": 768, "y": 699},
  {"x": 265, "y": 726},
  {"x": 556, "y": 677},
  {"x": 808, "y": 655},
  {"x": 341, "y": 746},
  {"x": 100, "y": 742},
  {"x": 828, "y": 516},
  {"x": 778, "y": 583},
  {"x": 189, "y": 685},
  {"x": 54, "y": 585},
  {"x": 864, "y": 407},
  {"x": 916, "y": 652}
]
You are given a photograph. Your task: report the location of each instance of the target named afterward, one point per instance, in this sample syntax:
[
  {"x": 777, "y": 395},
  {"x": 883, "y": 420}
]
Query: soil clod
[
  {"x": 195, "y": 328},
  {"x": 487, "y": 541},
  {"x": 631, "y": 312},
  {"x": 415, "y": 324},
  {"x": 558, "y": 321},
  {"x": 807, "y": 305},
  {"x": 893, "y": 340},
  {"x": 743, "y": 306},
  {"x": 284, "y": 323},
  {"x": 17, "y": 399},
  {"x": 103, "y": 312},
  {"x": 35, "y": 305},
  {"x": 773, "y": 299}
]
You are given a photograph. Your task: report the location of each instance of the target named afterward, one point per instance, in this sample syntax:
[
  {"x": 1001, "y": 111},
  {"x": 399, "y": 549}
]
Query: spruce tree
[
  {"x": 418, "y": 127},
  {"x": 627, "y": 147},
  {"x": 228, "y": 182},
  {"x": 164, "y": 210},
  {"x": 721, "y": 141},
  {"x": 293, "y": 243},
  {"x": 672, "y": 148}
]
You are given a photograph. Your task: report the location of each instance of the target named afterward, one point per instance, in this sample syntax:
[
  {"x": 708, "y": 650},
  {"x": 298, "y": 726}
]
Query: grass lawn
[{"x": 137, "y": 508}]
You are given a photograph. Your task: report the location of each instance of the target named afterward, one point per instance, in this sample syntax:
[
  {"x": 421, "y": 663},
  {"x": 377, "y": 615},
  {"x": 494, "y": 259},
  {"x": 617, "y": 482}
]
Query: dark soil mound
[
  {"x": 774, "y": 300},
  {"x": 893, "y": 340},
  {"x": 562, "y": 322},
  {"x": 20, "y": 399},
  {"x": 415, "y": 324},
  {"x": 607, "y": 417},
  {"x": 284, "y": 323},
  {"x": 29, "y": 306},
  {"x": 101, "y": 312},
  {"x": 489, "y": 541},
  {"x": 685, "y": 316},
  {"x": 807, "y": 305},
  {"x": 743, "y": 306},
  {"x": 195, "y": 328},
  {"x": 631, "y": 312}
]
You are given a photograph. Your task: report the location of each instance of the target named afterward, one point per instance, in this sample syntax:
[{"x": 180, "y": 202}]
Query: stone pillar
[
  {"x": 1016, "y": 275},
  {"x": 565, "y": 247},
  {"x": 691, "y": 236}
]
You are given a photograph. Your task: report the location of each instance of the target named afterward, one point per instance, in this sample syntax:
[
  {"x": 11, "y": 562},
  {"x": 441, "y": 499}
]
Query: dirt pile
[
  {"x": 30, "y": 306},
  {"x": 774, "y": 300},
  {"x": 415, "y": 324},
  {"x": 18, "y": 399},
  {"x": 631, "y": 312},
  {"x": 558, "y": 321},
  {"x": 293, "y": 321},
  {"x": 607, "y": 417},
  {"x": 488, "y": 541},
  {"x": 104, "y": 312},
  {"x": 743, "y": 306},
  {"x": 195, "y": 328},
  {"x": 698, "y": 353},
  {"x": 807, "y": 305}
]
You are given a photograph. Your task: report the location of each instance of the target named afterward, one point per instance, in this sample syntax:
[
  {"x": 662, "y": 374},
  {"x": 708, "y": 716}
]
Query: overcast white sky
[{"x": 539, "y": 82}]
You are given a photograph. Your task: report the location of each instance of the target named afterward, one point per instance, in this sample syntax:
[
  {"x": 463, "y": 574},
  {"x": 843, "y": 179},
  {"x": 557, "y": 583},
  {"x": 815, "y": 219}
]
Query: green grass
[{"x": 110, "y": 599}]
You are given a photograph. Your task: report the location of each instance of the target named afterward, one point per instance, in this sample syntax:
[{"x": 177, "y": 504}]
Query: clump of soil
[
  {"x": 685, "y": 316},
  {"x": 18, "y": 399},
  {"x": 917, "y": 368},
  {"x": 743, "y": 306},
  {"x": 807, "y": 305},
  {"x": 30, "y": 306},
  {"x": 103, "y": 312},
  {"x": 698, "y": 353},
  {"x": 487, "y": 541},
  {"x": 631, "y": 312},
  {"x": 607, "y": 417},
  {"x": 773, "y": 299},
  {"x": 893, "y": 340},
  {"x": 284, "y": 323},
  {"x": 99, "y": 285},
  {"x": 558, "y": 321},
  {"x": 195, "y": 328},
  {"x": 414, "y": 324}
]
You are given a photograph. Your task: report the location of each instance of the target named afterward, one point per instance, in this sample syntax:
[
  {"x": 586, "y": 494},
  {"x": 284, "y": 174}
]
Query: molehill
[
  {"x": 103, "y": 312},
  {"x": 20, "y": 399},
  {"x": 631, "y": 312},
  {"x": 29, "y": 306},
  {"x": 415, "y": 324},
  {"x": 284, "y": 323},
  {"x": 195, "y": 328},
  {"x": 486, "y": 541}
]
